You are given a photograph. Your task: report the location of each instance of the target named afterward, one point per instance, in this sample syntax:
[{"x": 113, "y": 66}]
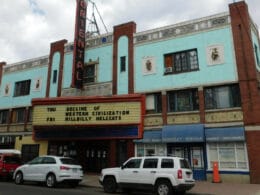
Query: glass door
[{"x": 197, "y": 162}]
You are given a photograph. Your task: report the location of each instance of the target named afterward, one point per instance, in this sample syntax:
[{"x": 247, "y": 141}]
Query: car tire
[
  {"x": 110, "y": 185},
  {"x": 50, "y": 180},
  {"x": 163, "y": 187},
  {"x": 18, "y": 178}
]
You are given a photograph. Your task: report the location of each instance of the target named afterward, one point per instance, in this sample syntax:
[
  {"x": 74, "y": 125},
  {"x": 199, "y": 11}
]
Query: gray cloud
[{"x": 29, "y": 26}]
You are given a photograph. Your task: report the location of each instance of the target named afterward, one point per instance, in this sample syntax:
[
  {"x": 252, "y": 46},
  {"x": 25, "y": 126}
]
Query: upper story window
[
  {"x": 153, "y": 103},
  {"x": 22, "y": 88},
  {"x": 256, "y": 55},
  {"x": 122, "y": 64},
  {"x": 184, "y": 100},
  {"x": 222, "y": 97},
  {"x": 178, "y": 62},
  {"x": 3, "y": 116},
  {"x": 90, "y": 72},
  {"x": 30, "y": 114},
  {"x": 54, "y": 79},
  {"x": 18, "y": 115}
]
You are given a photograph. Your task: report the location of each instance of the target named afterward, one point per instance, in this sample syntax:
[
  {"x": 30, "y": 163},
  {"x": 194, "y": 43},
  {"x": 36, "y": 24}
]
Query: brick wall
[
  {"x": 127, "y": 29},
  {"x": 248, "y": 82}
]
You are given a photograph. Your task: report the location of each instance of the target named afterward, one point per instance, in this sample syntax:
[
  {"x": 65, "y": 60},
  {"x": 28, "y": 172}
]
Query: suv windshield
[
  {"x": 184, "y": 164},
  {"x": 12, "y": 159}
]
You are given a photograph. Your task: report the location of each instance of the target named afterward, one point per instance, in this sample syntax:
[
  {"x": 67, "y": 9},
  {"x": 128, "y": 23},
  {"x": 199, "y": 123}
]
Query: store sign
[
  {"x": 79, "y": 44},
  {"x": 88, "y": 114}
]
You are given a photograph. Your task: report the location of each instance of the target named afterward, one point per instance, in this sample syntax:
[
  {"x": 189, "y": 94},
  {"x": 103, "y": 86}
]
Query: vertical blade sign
[{"x": 79, "y": 44}]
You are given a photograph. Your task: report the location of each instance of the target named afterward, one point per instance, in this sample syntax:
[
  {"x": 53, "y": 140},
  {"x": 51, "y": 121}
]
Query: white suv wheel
[{"x": 163, "y": 188}]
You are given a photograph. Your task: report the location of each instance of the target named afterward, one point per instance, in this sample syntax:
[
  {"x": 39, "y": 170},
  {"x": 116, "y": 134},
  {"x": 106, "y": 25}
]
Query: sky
[{"x": 28, "y": 27}]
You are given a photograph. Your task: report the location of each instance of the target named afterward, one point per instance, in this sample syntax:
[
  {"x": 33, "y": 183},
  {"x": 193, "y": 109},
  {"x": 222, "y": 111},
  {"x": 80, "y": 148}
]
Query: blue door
[
  {"x": 197, "y": 162},
  {"x": 195, "y": 155}
]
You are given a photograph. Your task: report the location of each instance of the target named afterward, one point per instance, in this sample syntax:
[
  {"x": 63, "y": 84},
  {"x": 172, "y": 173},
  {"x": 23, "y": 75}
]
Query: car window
[
  {"x": 133, "y": 163},
  {"x": 150, "y": 163},
  {"x": 68, "y": 161},
  {"x": 36, "y": 160},
  {"x": 184, "y": 164},
  {"x": 12, "y": 159},
  {"x": 167, "y": 163},
  {"x": 48, "y": 160}
]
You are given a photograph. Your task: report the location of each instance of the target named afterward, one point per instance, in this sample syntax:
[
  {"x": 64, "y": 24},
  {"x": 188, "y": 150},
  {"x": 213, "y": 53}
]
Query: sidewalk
[{"x": 200, "y": 188}]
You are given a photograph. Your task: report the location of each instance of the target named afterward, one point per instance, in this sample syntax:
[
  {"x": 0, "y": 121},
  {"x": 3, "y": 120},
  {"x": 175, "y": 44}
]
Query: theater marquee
[{"x": 88, "y": 114}]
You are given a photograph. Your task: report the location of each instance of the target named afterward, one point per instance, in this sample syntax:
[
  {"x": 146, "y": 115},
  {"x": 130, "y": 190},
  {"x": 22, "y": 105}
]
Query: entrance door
[
  {"x": 121, "y": 152},
  {"x": 195, "y": 156},
  {"x": 197, "y": 163},
  {"x": 96, "y": 157}
]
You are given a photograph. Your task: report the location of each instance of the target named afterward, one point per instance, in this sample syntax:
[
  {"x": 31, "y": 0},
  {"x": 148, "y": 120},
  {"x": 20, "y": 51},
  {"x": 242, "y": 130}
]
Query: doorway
[{"x": 195, "y": 155}]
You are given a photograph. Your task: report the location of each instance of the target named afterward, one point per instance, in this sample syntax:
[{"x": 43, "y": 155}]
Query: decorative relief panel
[
  {"x": 184, "y": 28},
  {"x": 148, "y": 65},
  {"x": 43, "y": 61},
  {"x": 183, "y": 118},
  {"x": 153, "y": 121},
  {"x": 3, "y": 128},
  {"x": 215, "y": 54},
  {"x": 16, "y": 128},
  {"x": 227, "y": 116}
]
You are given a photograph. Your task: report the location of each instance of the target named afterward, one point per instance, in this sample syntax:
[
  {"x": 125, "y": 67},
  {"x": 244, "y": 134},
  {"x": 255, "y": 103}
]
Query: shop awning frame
[
  {"x": 151, "y": 136},
  {"x": 224, "y": 134},
  {"x": 183, "y": 133}
]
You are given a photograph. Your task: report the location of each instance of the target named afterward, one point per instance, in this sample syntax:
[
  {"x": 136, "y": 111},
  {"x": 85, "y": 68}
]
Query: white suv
[{"x": 162, "y": 174}]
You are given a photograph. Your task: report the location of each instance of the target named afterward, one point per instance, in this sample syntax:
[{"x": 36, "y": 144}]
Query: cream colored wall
[{"x": 28, "y": 140}]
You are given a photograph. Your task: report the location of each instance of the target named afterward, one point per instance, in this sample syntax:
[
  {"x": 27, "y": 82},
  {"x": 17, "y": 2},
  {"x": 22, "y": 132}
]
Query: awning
[
  {"x": 224, "y": 134},
  {"x": 183, "y": 133},
  {"x": 151, "y": 136}
]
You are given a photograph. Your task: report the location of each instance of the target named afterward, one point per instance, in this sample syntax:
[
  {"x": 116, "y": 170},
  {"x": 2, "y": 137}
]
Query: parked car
[
  {"x": 161, "y": 174},
  {"x": 51, "y": 170},
  {"x": 10, "y": 159}
]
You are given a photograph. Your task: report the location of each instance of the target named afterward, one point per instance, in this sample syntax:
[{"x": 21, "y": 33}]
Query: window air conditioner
[{"x": 167, "y": 69}]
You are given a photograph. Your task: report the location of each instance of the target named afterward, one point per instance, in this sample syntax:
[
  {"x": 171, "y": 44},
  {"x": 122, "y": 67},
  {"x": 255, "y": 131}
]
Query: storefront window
[
  {"x": 150, "y": 149},
  {"x": 229, "y": 155}
]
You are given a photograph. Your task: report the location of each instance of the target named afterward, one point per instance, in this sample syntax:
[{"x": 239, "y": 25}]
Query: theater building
[{"x": 189, "y": 89}]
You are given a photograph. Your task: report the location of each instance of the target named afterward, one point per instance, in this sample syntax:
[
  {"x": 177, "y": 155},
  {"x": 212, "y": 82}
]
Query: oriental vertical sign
[{"x": 79, "y": 44}]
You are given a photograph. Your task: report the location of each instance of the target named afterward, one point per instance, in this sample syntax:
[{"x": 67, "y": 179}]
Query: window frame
[
  {"x": 4, "y": 116},
  {"x": 123, "y": 64},
  {"x": 93, "y": 78},
  {"x": 16, "y": 118},
  {"x": 220, "y": 148},
  {"x": 22, "y": 88},
  {"x": 175, "y": 97},
  {"x": 213, "y": 100},
  {"x": 182, "y": 61},
  {"x": 157, "y": 100}
]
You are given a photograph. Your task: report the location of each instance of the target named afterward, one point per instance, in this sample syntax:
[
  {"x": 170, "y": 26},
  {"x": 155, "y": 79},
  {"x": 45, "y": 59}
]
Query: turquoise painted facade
[
  {"x": 104, "y": 68},
  {"x": 213, "y": 74},
  {"x": 55, "y": 67},
  {"x": 122, "y": 86},
  {"x": 9, "y": 101}
]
